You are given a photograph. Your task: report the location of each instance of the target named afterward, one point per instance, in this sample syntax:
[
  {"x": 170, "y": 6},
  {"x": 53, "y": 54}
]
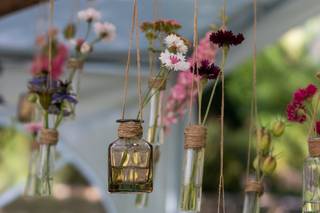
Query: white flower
[
  {"x": 106, "y": 31},
  {"x": 85, "y": 48},
  {"x": 173, "y": 41},
  {"x": 89, "y": 15},
  {"x": 176, "y": 62}
]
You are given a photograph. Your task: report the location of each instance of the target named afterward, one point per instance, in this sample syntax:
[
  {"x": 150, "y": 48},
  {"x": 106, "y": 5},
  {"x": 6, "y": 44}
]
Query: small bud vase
[
  {"x": 311, "y": 178},
  {"x": 130, "y": 160},
  {"x": 192, "y": 173}
]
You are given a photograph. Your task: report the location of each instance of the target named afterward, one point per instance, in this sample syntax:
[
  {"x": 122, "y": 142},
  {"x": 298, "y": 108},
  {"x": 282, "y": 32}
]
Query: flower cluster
[
  {"x": 106, "y": 31},
  {"x": 178, "y": 100},
  {"x": 206, "y": 70},
  {"x": 173, "y": 58},
  {"x": 297, "y": 108},
  {"x": 54, "y": 96},
  {"x": 226, "y": 38},
  {"x": 156, "y": 28}
]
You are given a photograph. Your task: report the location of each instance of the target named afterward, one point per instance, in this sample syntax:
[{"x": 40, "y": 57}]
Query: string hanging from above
[
  {"x": 130, "y": 158},
  {"x": 265, "y": 161}
]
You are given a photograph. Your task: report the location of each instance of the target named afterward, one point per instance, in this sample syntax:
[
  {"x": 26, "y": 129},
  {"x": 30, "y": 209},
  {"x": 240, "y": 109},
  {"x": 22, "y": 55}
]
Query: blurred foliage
[
  {"x": 14, "y": 148},
  {"x": 281, "y": 68}
]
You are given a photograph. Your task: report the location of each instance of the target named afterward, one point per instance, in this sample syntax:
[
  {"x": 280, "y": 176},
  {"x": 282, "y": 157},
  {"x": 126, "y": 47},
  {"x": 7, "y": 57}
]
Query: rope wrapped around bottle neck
[
  {"x": 49, "y": 136},
  {"x": 314, "y": 147},
  {"x": 195, "y": 137},
  {"x": 75, "y": 64},
  {"x": 130, "y": 129},
  {"x": 254, "y": 186}
]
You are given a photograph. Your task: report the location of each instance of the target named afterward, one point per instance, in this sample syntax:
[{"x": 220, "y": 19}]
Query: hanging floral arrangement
[
  {"x": 205, "y": 72},
  {"x": 56, "y": 94},
  {"x": 303, "y": 109}
]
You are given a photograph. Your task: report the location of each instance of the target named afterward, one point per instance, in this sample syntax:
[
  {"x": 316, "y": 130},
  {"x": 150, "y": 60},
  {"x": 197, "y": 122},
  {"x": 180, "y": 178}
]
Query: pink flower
[
  {"x": 304, "y": 94},
  {"x": 41, "y": 62},
  {"x": 178, "y": 92},
  {"x": 33, "y": 127}
]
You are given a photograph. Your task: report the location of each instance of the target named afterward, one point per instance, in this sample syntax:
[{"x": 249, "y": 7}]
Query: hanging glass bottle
[
  {"x": 191, "y": 186},
  {"x": 48, "y": 140},
  {"x": 253, "y": 191},
  {"x": 130, "y": 160},
  {"x": 155, "y": 130},
  {"x": 31, "y": 188},
  {"x": 311, "y": 177},
  {"x": 75, "y": 67}
]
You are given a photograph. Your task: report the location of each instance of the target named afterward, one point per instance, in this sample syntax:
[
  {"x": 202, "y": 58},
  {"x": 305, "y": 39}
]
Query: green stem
[
  {"x": 46, "y": 119},
  {"x": 88, "y": 31},
  {"x": 210, "y": 100},
  {"x": 58, "y": 120}
]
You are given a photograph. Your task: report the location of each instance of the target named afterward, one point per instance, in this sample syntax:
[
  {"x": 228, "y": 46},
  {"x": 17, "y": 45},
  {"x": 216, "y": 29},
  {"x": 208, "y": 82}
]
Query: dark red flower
[
  {"x": 206, "y": 70},
  {"x": 317, "y": 127},
  {"x": 226, "y": 38},
  {"x": 296, "y": 112},
  {"x": 304, "y": 94}
]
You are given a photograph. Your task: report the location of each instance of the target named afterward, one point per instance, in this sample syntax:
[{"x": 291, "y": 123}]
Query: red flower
[
  {"x": 296, "y": 112},
  {"x": 304, "y": 94},
  {"x": 317, "y": 127},
  {"x": 226, "y": 38}
]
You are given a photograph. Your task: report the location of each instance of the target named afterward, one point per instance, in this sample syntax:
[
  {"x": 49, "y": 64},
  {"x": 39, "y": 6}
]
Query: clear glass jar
[
  {"x": 45, "y": 169},
  {"x": 251, "y": 200},
  {"x": 155, "y": 129},
  {"x": 32, "y": 184},
  {"x": 130, "y": 163},
  {"x": 191, "y": 189}
]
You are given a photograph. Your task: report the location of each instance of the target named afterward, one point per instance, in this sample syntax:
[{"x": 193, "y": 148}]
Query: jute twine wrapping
[
  {"x": 75, "y": 64},
  {"x": 157, "y": 83},
  {"x": 49, "y": 137},
  {"x": 130, "y": 129},
  {"x": 254, "y": 186},
  {"x": 195, "y": 137},
  {"x": 314, "y": 147}
]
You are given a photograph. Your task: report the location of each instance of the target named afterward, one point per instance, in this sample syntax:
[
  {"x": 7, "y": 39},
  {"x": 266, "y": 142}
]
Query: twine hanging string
[
  {"x": 194, "y": 59},
  {"x": 254, "y": 107},
  {"x": 126, "y": 75},
  {"x": 138, "y": 61},
  {"x": 50, "y": 35},
  {"x": 221, "y": 178}
]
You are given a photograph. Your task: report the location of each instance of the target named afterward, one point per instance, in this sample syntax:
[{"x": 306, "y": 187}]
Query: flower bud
[
  {"x": 256, "y": 161},
  {"x": 69, "y": 31},
  {"x": 269, "y": 165},
  {"x": 32, "y": 97},
  {"x": 264, "y": 139},
  {"x": 278, "y": 128}
]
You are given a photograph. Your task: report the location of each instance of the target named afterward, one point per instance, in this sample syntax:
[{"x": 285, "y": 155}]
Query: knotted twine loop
[
  {"x": 130, "y": 128},
  {"x": 195, "y": 137},
  {"x": 49, "y": 136},
  {"x": 157, "y": 83},
  {"x": 314, "y": 147},
  {"x": 75, "y": 64},
  {"x": 254, "y": 186}
]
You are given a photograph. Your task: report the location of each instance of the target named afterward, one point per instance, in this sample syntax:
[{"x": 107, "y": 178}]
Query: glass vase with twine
[
  {"x": 253, "y": 190},
  {"x": 311, "y": 177},
  {"x": 75, "y": 66},
  {"x": 48, "y": 141},
  {"x": 191, "y": 186}
]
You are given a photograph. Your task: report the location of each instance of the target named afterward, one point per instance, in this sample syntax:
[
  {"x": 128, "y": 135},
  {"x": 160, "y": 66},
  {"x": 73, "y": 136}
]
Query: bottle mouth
[{"x": 129, "y": 120}]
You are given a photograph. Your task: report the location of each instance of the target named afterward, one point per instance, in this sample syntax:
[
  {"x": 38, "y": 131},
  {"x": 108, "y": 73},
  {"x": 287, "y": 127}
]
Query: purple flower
[
  {"x": 206, "y": 70},
  {"x": 226, "y": 38}
]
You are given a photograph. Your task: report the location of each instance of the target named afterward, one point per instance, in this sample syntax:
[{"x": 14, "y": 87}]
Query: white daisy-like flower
[
  {"x": 106, "y": 30},
  {"x": 85, "y": 48},
  {"x": 89, "y": 15},
  {"x": 176, "y": 62},
  {"x": 174, "y": 42}
]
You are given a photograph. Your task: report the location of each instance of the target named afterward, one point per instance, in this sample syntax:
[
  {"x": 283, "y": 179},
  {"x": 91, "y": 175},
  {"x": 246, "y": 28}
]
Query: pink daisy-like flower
[{"x": 33, "y": 127}]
